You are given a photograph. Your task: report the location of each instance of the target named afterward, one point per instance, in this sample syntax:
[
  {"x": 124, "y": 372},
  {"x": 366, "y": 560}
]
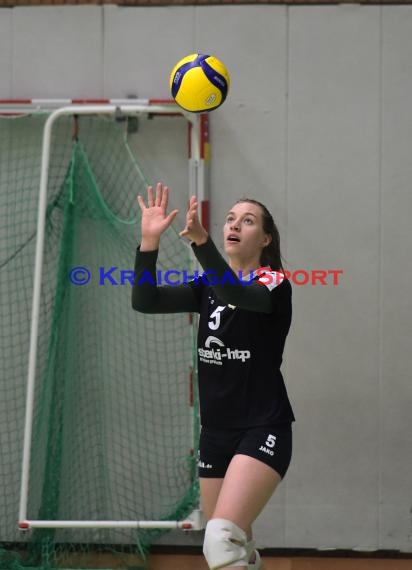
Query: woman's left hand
[{"x": 194, "y": 230}]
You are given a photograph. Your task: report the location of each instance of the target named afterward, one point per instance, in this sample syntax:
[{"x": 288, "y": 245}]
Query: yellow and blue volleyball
[{"x": 199, "y": 83}]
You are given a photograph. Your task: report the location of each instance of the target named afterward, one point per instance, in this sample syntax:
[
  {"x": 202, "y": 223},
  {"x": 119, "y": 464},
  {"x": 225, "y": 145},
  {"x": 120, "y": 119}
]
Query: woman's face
[{"x": 243, "y": 233}]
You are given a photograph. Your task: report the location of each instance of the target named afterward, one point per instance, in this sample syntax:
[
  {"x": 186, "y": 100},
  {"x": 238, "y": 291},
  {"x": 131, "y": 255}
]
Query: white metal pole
[
  {"x": 41, "y": 218},
  {"x": 41, "y": 215},
  {"x": 186, "y": 525}
]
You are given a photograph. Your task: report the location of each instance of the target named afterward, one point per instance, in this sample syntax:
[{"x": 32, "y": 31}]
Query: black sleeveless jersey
[{"x": 241, "y": 336}]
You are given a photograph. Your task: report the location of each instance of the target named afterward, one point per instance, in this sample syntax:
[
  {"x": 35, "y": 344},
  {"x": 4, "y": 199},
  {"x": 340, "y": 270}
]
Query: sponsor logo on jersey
[{"x": 215, "y": 352}]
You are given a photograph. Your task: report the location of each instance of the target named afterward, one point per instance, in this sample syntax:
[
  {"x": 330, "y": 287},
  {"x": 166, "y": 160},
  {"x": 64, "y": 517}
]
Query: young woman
[{"x": 245, "y": 313}]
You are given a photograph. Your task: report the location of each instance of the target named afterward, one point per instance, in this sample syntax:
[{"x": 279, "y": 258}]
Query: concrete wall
[{"x": 318, "y": 126}]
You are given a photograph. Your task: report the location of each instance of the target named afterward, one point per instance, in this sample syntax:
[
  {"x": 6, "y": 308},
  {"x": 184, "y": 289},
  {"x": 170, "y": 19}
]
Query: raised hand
[
  {"x": 155, "y": 219},
  {"x": 194, "y": 229}
]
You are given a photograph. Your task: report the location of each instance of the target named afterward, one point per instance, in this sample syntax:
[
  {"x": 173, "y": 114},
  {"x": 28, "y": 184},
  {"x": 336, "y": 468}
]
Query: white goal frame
[{"x": 198, "y": 186}]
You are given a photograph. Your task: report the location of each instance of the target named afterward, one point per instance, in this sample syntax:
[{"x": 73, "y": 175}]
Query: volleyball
[{"x": 199, "y": 83}]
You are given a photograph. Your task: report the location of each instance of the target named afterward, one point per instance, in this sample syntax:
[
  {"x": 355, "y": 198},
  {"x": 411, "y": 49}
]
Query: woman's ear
[{"x": 267, "y": 239}]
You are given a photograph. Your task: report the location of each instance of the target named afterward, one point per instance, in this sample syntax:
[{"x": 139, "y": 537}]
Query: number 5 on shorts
[{"x": 271, "y": 440}]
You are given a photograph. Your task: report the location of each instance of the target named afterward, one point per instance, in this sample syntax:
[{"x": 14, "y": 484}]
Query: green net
[{"x": 113, "y": 430}]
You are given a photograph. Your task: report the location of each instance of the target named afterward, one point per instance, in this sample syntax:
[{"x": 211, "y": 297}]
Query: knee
[{"x": 225, "y": 543}]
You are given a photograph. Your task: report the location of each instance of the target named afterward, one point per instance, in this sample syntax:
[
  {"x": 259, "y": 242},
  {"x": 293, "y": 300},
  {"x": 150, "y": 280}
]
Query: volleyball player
[{"x": 245, "y": 313}]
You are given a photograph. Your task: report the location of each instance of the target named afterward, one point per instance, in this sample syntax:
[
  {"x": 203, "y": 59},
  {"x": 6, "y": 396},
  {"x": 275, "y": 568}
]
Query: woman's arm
[{"x": 148, "y": 297}]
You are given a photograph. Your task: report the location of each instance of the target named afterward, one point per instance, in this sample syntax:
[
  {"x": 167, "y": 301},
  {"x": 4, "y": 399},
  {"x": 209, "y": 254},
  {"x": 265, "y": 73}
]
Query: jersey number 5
[{"x": 214, "y": 322}]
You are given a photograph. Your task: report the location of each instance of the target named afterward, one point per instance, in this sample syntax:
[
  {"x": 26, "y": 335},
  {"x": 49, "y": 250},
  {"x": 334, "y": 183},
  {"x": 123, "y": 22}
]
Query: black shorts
[{"x": 270, "y": 444}]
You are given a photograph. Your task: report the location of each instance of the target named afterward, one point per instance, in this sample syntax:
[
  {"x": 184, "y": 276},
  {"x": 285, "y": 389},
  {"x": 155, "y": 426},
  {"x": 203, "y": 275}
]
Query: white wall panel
[
  {"x": 142, "y": 45},
  {"x": 396, "y": 277},
  {"x": 57, "y": 52},
  {"x": 6, "y": 58},
  {"x": 333, "y": 223}
]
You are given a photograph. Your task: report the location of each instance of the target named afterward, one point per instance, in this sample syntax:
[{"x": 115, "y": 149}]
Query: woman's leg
[
  {"x": 247, "y": 487},
  {"x": 209, "y": 492},
  {"x": 245, "y": 490}
]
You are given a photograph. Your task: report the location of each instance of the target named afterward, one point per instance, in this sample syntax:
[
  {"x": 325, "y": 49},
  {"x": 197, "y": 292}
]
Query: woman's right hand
[{"x": 155, "y": 219}]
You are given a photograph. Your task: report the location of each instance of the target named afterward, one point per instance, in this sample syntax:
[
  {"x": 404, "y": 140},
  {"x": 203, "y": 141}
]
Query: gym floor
[{"x": 195, "y": 562}]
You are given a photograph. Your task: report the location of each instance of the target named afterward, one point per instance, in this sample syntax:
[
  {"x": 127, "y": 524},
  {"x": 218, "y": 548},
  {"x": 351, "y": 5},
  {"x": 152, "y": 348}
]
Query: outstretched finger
[
  {"x": 190, "y": 219},
  {"x": 191, "y": 216},
  {"x": 165, "y": 198},
  {"x": 150, "y": 200},
  {"x": 159, "y": 193},
  {"x": 193, "y": 204},
  {"x": 191, "y": 201},
  {"x": 141, "y": 203}
]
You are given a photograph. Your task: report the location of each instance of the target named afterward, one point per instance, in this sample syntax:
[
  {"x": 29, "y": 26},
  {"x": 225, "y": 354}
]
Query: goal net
[{"x": 114, "y": 424}]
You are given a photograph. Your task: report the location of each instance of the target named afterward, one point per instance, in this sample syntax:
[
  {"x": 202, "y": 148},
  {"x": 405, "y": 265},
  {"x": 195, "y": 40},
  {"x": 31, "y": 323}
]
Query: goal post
[{"x": 74, "y": 232}]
